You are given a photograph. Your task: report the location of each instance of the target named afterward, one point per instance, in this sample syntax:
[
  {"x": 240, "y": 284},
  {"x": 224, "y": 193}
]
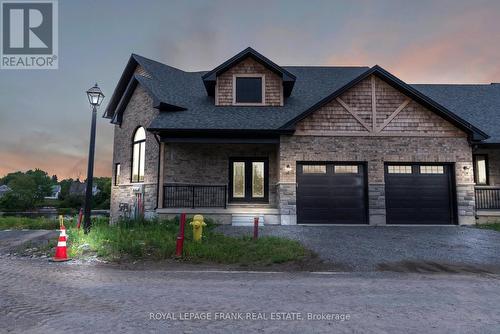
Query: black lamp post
[{"x": 95, "y": 96}]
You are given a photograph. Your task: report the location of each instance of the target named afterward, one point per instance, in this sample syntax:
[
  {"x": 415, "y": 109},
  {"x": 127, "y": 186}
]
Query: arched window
[{"x": 138, "y": 155}]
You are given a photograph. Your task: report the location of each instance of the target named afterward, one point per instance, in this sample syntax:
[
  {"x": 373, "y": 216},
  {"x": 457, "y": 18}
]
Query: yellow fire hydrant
[{"x": 197, "y": 224}]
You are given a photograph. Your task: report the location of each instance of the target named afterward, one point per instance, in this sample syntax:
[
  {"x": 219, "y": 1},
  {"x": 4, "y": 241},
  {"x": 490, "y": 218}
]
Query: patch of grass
[
  {"x": 156, "y": 240},
  {"x": 19, "y": 223},
  {"x": 494, "y": 226}
]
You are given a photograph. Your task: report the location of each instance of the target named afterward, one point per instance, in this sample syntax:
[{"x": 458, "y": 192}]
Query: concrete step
[{"x": 245, "y": 220}]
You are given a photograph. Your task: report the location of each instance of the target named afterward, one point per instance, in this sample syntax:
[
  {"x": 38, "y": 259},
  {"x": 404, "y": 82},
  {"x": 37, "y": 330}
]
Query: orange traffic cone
[{"x": 61, "y": 254}]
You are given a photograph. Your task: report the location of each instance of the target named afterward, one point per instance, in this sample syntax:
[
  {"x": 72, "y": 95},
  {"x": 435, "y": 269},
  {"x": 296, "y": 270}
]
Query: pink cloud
[
  {"x": 61, "y": 164},
  {"x": 464, "y": 50}
]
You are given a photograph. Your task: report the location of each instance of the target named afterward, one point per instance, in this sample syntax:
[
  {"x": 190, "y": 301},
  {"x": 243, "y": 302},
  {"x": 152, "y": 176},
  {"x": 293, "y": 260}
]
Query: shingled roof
[
  {"x": 477, "y": 104},
  {"x": 186, "y": 106}
]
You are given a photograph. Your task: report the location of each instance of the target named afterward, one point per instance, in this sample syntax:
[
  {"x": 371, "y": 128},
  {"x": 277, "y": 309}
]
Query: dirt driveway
[
  {"x": 413, "y": 249},
  {"x": 37, "y": 296}
]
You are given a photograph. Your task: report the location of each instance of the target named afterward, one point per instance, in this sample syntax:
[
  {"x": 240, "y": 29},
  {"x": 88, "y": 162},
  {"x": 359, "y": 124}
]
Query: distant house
[
  {"x": 78, "y": 188},
  {"x": 55, "y": 192},
  {"x": 4, "y": 189}
]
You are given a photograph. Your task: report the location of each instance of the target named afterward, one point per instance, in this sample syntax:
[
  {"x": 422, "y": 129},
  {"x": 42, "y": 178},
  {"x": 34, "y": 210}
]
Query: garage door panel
[
  {"x": 419, "y": 198},
  {"x": 331, "y": 198}
]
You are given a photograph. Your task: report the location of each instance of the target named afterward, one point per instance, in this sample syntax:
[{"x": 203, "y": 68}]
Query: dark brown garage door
[
  {"x": 419, "y": 194},
  {"x": 331, "y": 193}
]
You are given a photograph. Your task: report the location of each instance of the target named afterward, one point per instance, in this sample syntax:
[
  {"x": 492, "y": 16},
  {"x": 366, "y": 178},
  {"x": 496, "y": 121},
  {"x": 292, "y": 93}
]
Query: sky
[{"x": 45, "y": 115}]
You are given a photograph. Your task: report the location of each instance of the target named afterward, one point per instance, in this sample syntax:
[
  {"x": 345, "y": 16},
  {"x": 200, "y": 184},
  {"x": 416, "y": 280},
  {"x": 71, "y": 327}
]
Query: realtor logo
[{"x": 29, "y": 35}]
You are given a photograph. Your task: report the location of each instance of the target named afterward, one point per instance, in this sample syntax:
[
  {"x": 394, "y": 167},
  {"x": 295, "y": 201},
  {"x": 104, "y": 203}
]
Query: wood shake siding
[
  {"x": 273, "y": 83},
  {"x": 395, "y": 115}
]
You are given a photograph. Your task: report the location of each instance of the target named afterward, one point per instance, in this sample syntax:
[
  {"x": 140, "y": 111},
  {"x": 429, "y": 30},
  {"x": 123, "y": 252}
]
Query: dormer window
[{"x": 248, "y": 89}]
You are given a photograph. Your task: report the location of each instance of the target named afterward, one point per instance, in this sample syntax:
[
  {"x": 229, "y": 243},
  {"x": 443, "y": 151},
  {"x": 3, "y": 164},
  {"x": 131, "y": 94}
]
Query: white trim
[{"x": 250, "y": 75}]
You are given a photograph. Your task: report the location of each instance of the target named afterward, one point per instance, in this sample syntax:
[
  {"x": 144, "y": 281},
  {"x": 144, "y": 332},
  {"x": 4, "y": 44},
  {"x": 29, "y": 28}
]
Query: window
[
  {"x": 431, "y": 170},
  {"x": 258, "y": 179},
  {"x": 248, "y": 90},
  {"x": 238, "y": 179},
  {"x": 346, "y": 169},
  {"x": 117, "y": 174},
  {"x": 393, "y": 169},
  {"x": 138, "y": 155},
  {"x": 481, "y": 169},
  {"x": 314, "y": 169},
  {"x": 248, "y": 180}
]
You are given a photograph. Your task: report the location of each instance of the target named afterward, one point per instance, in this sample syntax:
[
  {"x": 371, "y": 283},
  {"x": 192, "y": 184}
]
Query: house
[
  {"x": 55, "y": 192},
  {"x": 4, "y": 189},
  {"x": 302, "y": 144},
  {"x": 78, "y": 188}
]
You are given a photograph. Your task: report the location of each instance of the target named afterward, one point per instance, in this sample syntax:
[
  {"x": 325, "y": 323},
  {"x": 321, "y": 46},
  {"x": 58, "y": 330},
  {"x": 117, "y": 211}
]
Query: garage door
[
  {"x": 419, "y": 194},
  {"x": 330, "y": 193}
]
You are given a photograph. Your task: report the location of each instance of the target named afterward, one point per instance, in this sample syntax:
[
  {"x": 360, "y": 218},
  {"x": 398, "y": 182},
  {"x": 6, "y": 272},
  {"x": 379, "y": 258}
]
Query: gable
[
  {"x": 273, "y": 85},
  {"x": 374, "y": 108}
]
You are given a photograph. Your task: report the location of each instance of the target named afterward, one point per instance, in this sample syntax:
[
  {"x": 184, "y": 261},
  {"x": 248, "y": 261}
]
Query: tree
[
  {"x": 65, "y": 185},
  {"x": 43, "y": 183},
  {"x": 7, "y": 178},
  {"x": 102, "y": 199},
  {"x": 22, "y": 197},
  {"x": 28, "y": 189}
]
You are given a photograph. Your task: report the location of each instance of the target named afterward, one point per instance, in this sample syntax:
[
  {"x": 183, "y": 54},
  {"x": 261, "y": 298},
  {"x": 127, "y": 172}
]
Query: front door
[{"x": 249, "y": 180}]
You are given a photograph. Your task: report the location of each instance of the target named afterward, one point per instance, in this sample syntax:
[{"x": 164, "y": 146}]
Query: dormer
[{"x": 249, "y": 79}]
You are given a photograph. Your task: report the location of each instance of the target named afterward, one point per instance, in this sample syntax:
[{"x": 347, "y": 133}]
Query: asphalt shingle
[{"x": 477, "y": 104}]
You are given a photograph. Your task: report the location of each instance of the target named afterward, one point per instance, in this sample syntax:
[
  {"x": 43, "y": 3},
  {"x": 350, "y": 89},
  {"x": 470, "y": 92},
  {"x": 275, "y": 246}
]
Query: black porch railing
[
  {"x": 194, "y": 196},
  {"x": 487, "y": 198}
]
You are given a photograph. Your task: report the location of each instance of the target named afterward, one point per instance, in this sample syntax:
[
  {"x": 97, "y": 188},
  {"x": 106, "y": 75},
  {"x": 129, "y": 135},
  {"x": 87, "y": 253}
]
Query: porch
[
  {"x": 230, "y": 180},
  {"x": 487, "y": 204}
]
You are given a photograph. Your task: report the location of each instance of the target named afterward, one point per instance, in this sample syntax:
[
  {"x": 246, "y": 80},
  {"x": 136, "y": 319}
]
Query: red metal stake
[
  {"x": 180, "y": 237},
  {"x": 80, "y": 216},
  {"x": 256, "y": 228}
]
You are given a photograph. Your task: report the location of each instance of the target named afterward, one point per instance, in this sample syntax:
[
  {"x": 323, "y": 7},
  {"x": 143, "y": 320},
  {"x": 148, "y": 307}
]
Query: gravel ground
[
  {"x": 426, "y": 248},
  {"x": 41, "y": 297}
]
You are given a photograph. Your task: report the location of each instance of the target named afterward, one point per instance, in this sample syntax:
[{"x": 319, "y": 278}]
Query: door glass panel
[
  {"x": 258, "y": 179},
  {"x": 238, "y": 179},
  {"x": 314, "y": 169},
  {"x": 431, "y": 170},
  {"x": 393, "y": 169},
  {"x": 346, "y": 169}
]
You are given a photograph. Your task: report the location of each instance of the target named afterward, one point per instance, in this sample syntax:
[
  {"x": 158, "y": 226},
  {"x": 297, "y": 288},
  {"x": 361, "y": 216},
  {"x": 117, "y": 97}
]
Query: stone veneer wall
[
  {"x": 362, "y": 126},
  {"x": 376, "y": 151},
  {"x": 273, "y": 83},
  {"x": 139, "y": 112},
  {"x": 187, "y": 163}
]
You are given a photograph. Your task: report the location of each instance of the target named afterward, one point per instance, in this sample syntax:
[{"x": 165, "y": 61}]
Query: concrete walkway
[{"x": 414, "y": 249}]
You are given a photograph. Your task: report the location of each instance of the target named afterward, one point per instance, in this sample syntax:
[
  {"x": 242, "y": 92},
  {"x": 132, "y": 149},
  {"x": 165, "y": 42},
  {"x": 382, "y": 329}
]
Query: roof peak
[{"x": 210, "y": 77}]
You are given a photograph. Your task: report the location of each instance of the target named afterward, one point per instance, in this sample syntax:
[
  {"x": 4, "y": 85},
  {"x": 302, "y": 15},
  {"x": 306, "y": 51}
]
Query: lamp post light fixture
[{"x": 95, "y": 96}]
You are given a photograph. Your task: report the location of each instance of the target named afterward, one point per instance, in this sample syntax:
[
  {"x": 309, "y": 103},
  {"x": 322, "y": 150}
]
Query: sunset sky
[{"x": 45, "y": 116}]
